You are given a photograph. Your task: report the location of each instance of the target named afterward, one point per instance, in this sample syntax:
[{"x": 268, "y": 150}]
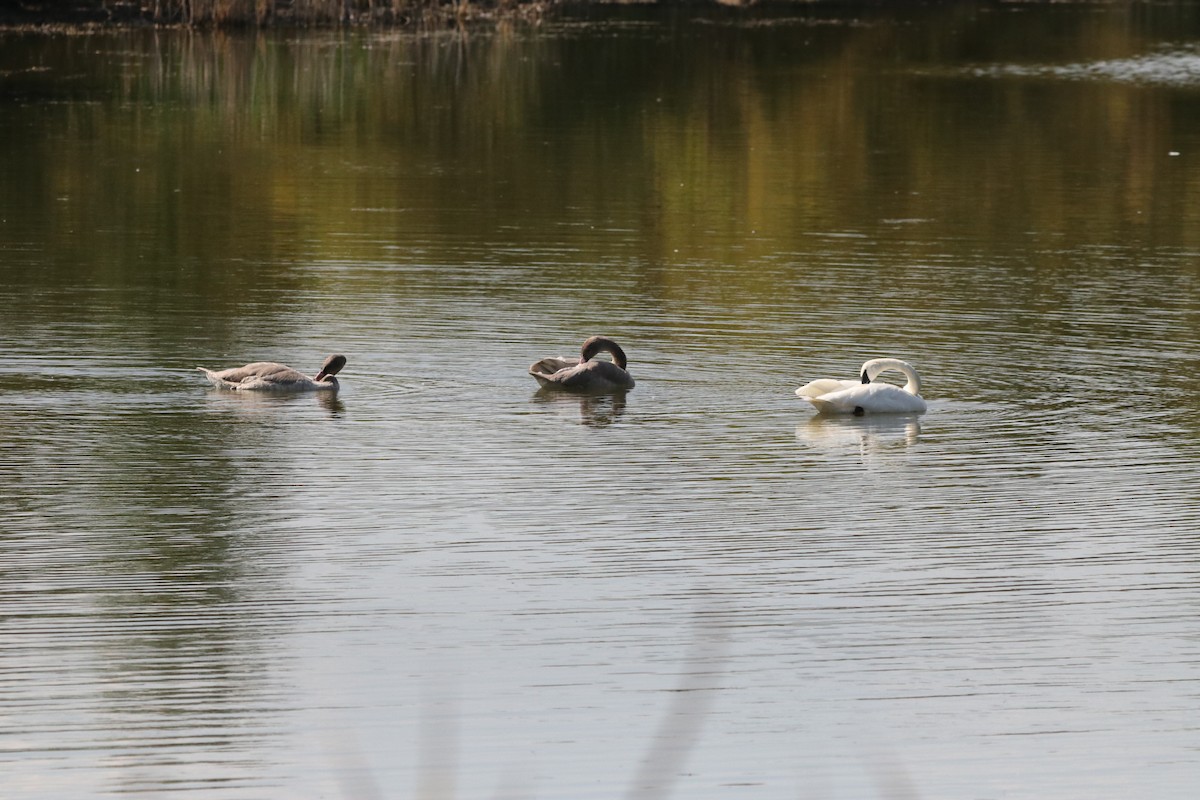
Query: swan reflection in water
[
  {"x": 261, "y": 402},
  {"x": 870, "y": 437},
  {"x": 594, "y": 410}
]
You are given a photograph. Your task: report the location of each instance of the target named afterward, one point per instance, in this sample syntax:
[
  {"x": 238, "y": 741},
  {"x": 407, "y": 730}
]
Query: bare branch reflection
[{"x": 691, "y": 699}]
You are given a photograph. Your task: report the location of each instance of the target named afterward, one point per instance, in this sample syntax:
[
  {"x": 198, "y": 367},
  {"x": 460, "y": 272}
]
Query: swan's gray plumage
[
  {"x": 268, "y": 375},
  {"x": 583, "y": 374}
]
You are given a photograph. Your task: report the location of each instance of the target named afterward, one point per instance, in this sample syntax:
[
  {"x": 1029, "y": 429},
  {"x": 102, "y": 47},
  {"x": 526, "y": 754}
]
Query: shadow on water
[
  {"x": 702, "y": 674},
  {"x": 699, "y": 679}
]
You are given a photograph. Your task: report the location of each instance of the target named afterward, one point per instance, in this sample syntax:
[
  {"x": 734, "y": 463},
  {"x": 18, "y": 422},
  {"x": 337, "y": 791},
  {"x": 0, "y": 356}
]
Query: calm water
[{"x": 442, "y": 584}]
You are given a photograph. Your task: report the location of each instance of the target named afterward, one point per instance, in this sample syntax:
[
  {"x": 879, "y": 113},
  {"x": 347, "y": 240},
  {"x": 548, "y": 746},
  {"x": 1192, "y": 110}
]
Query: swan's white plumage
[
  {"x": 824, "y": 386},
  {"x": 831, "y": 396},
  {"x": 869, "y": 398}
]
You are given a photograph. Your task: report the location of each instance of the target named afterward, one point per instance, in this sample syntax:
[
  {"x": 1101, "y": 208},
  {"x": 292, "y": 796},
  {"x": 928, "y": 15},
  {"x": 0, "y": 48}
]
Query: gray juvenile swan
[
  {"x": 583, "y": 374},
  {"x": 864, "y": 396},
  {"x": 269, "y": 376}
]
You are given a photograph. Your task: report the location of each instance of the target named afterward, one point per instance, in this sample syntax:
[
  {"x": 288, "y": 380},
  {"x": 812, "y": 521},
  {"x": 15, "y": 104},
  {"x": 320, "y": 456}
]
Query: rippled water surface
[{"x": 441, "y": 583}]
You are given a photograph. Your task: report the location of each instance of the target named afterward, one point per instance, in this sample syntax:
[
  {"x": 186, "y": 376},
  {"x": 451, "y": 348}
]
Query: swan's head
[
  {"x": 332, "y": 366},
  {"x": 601, "y": 344}
]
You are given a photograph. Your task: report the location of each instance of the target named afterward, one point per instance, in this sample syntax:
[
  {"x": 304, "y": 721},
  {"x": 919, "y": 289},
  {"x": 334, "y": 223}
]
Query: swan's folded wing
[
  {"x": 546, "y": 369},
  {"x": 259, "y": 375},
  {"x": 824, "y": 386},
  {"x": 840, "y": 402},
  {"x": 591, "y": 376},
  {"x": 869, "y": 398},
  {"x": 266, "y": 372},
  {"x": 549, "y": 366}
]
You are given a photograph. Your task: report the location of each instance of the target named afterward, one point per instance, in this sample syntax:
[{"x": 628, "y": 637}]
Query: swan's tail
[
  {"x": 213, "y": 378},
  {"x": 822, "y": 406}
]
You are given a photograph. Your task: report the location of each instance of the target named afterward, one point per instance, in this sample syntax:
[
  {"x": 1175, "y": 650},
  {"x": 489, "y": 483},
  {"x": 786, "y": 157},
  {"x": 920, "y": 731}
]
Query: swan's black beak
[{"x": 865, "y": 378}]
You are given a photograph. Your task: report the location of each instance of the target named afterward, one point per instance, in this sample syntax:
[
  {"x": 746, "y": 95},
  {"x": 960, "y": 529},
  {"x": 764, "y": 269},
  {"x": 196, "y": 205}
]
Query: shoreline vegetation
[
  {"x": 73, "y": 14},
  {"x": 76, "y": 15}
]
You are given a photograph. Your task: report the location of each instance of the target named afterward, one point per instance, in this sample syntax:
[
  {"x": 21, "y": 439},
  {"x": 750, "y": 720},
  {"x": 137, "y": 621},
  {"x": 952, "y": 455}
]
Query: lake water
[{"x": 443, "y": 584}]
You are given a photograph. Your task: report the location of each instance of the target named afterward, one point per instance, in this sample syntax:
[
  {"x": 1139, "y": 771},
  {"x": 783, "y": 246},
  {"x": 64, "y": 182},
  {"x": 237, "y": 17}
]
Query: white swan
[
  {"x": 269, "y": 376},
  {"x": 582, "y": 374},
  {"x": 860, "y": 397}
]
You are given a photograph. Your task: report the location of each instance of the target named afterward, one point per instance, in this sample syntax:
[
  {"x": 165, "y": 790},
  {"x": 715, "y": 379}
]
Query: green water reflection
[{"x": 205, "y": 165}]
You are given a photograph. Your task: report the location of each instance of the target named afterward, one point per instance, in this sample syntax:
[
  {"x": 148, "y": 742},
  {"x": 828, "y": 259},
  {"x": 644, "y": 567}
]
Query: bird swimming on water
[
  {"x": 270, "y": 376},
  {"x": 864, "y": 396},
  {"x": 584, "y": 374}
]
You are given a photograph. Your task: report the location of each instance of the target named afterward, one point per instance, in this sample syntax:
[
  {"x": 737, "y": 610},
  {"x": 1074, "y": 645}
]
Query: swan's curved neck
[
  {"x": 599, "y": 344},
  {"x": 878, "y": 366}
]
